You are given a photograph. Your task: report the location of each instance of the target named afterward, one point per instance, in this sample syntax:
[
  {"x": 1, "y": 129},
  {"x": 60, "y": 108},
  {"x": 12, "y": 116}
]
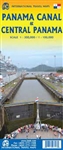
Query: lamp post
[
  {"x": 9, "y": 63},
  {"x": 18, "y": 70},
  {"x": 37, "y": 124},
  {"x": 54, "y": 63},
  {"x": 55, "y": 70}
]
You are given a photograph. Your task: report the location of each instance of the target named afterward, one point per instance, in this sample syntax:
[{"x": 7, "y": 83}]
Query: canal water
[{"x": 29, "y": 90}]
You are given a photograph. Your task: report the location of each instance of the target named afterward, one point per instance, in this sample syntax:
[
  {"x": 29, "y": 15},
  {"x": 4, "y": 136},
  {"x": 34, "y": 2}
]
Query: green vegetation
[
  {"x": 48, "y": 83},
  {"x": 11, "y": 84},
  {"x": 42, "y": 67},
  {"x": 7, "y": 102},
  {"x": 60, "y": 70},
  {"x": 51, "y": 85}
]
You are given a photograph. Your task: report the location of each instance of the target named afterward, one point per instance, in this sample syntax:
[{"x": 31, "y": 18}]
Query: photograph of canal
[
  {"x": 29, "y": 90},
  {"x": 30, "y": 96}
]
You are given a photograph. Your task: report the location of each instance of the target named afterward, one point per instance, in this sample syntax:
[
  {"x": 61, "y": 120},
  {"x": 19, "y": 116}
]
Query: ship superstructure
[{"x": 6, "y": 66}]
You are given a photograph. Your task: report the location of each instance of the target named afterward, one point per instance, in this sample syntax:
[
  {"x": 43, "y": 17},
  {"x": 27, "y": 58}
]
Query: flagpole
[{"x": 37, "y": 124}]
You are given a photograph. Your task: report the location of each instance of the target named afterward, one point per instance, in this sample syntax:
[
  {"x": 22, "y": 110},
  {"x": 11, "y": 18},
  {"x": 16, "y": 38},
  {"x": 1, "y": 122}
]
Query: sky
[{"x": 24, "y": 56}]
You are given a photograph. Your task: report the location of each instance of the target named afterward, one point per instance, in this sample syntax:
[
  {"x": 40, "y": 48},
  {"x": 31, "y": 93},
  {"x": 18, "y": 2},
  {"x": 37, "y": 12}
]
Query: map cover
[{"x": 31, "y": 74}]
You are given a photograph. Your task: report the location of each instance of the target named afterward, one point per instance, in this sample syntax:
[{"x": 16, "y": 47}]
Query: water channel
[{"x": 29, "y": 90}]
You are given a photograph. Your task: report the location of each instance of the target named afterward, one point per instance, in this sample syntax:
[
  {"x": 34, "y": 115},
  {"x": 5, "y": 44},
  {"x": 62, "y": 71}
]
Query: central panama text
[{"x": 42, "y": 29}]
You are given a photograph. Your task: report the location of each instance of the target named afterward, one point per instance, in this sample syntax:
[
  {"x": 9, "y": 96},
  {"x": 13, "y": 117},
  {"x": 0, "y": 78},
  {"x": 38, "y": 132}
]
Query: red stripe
[
  {"x": 58, "y": 4},
  {"x": 37, "y": 98}
]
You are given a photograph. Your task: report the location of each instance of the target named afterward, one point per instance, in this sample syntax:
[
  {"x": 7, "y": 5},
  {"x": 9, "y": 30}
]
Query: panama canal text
[{"x": 32, "y": 28}]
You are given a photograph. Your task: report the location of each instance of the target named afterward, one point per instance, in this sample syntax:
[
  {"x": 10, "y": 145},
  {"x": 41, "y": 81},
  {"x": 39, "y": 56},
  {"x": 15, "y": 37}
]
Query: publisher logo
[
  {"x": 5, "y": 6},
  {"x": 5, "y": 143}
]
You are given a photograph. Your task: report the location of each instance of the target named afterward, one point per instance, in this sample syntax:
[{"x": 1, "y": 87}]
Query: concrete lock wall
[
  {"x": 19, "y": 112},
  {"x": 51, "y": 111},
  {"x": 27, "y": 111},
  {"x": 2, "y": 127},
  {"x": 1, "y": 117}
]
